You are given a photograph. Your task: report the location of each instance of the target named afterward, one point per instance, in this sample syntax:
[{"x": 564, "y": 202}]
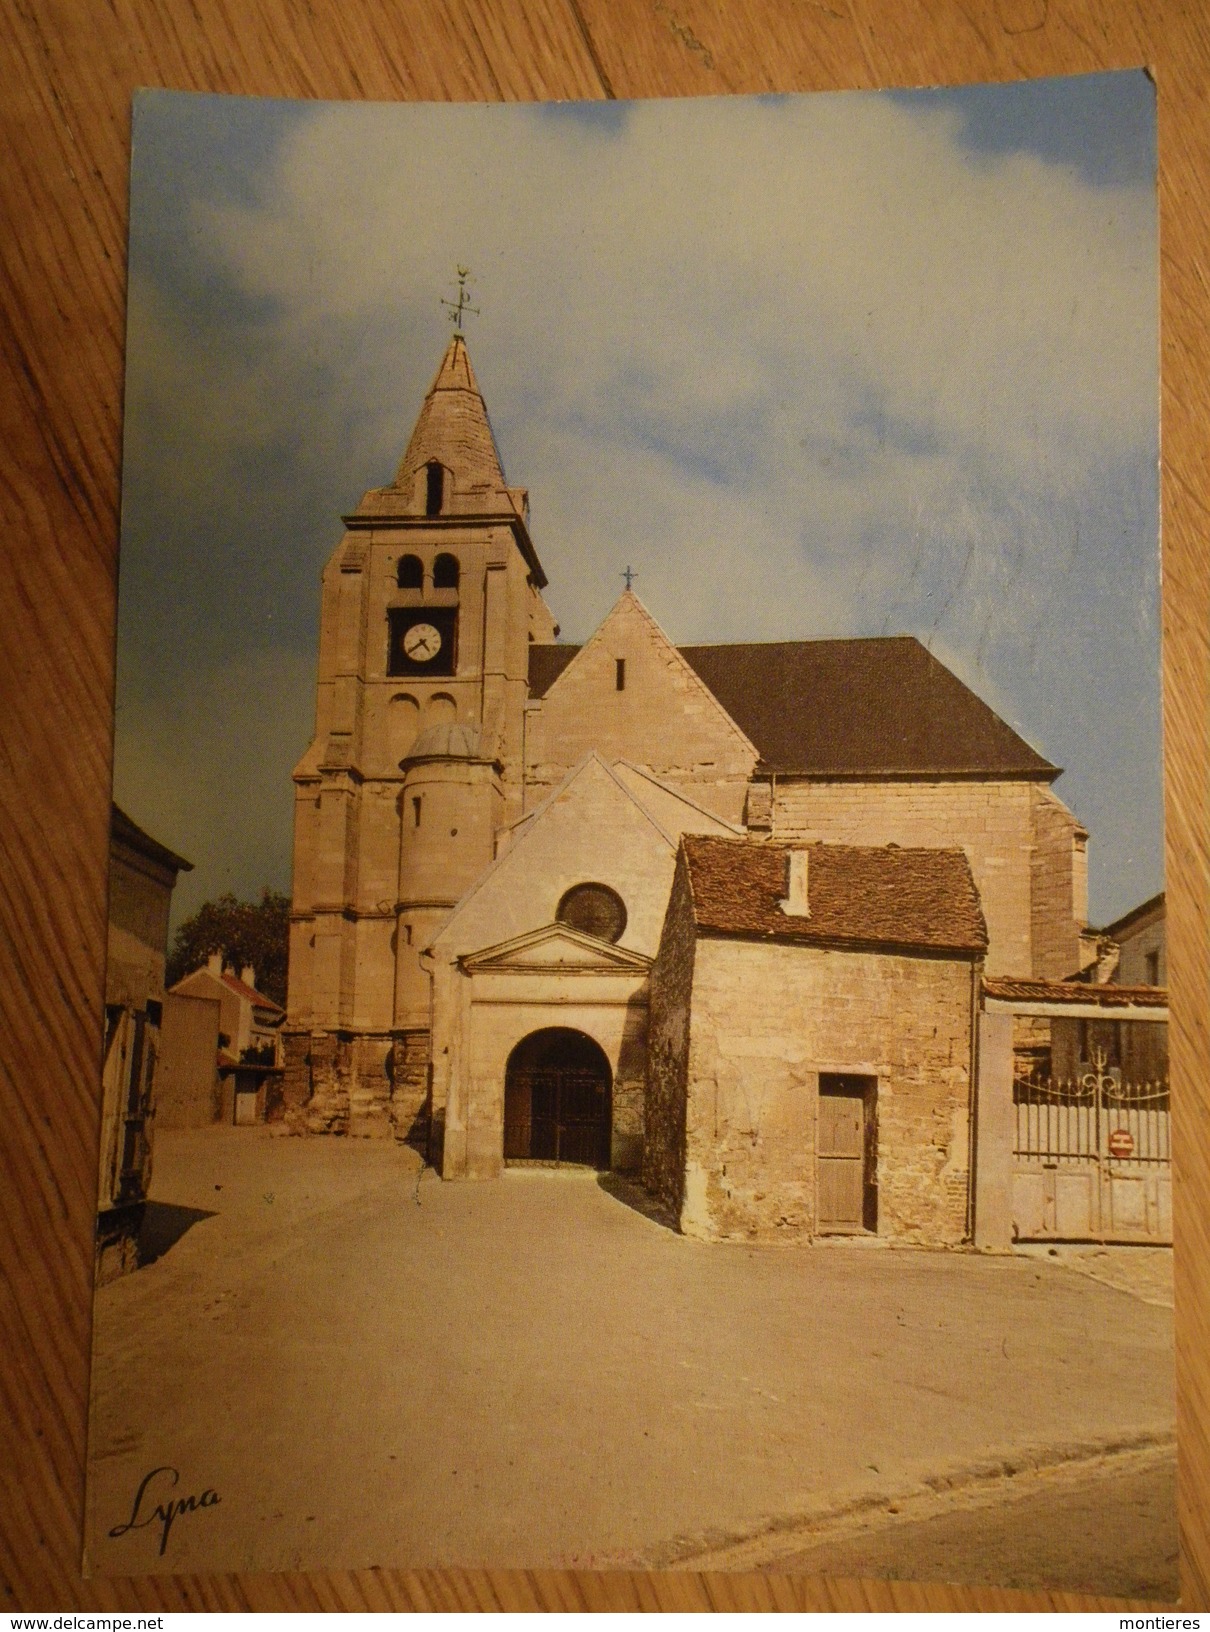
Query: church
[{"x": 715, "y": 916}]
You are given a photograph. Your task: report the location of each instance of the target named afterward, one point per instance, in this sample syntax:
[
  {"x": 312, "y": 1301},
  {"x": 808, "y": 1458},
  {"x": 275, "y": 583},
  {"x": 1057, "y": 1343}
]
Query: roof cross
[
  {"x": 629, "y": 576},
  {"x": 462, "y": 304}
]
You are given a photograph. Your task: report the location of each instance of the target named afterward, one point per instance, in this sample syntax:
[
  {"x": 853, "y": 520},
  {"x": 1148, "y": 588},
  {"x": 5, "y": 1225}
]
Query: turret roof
[{"x": 453, "y": 427}]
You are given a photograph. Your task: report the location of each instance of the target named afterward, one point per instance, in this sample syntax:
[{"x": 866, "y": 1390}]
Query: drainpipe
[
  {"x": 425, "y": 960},
  {"x": 972, "y": 1134}
]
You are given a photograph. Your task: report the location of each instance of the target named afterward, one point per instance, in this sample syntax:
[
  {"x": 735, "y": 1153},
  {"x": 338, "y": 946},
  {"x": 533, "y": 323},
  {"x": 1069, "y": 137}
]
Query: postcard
[{"x": 636, "y": 1018}]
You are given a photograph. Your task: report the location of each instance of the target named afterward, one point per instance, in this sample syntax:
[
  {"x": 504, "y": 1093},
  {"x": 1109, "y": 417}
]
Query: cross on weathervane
[
  {"x": 462, "y": 304},
  {"x": 629, "y": 577}
]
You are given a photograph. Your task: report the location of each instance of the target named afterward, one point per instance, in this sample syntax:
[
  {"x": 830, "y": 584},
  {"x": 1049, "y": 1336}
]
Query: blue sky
[{"x": 849, "y": 364}]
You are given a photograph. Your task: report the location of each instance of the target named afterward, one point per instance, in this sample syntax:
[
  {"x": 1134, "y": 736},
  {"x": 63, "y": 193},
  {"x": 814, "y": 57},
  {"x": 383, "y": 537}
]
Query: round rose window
[{"x": 595, "y": 909}]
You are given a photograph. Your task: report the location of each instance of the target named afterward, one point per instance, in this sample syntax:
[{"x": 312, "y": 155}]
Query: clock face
[{"x": 422, "y": 642}]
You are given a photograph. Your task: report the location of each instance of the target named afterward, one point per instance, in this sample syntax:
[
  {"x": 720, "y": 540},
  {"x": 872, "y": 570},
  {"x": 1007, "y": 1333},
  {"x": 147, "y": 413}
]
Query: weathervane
[
  {"x": 462, "y": 304},
  {"x": 629, "y": 576}
]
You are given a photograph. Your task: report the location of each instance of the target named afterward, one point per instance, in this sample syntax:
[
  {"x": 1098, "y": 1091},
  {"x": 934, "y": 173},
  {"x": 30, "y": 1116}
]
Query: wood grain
[{"x": 67, "y": 70}]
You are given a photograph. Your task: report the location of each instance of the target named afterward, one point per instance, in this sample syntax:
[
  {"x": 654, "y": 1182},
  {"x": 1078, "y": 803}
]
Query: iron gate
[
  {"x": 1092, "y": 1158},
  {"x": 557, "y": 1114}
]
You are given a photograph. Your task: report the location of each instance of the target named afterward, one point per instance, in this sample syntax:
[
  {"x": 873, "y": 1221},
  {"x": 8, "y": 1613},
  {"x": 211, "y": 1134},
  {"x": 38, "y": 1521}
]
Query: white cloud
[
  {"x": 807, "y": 364},
  {"x": 824, "y": 298}
]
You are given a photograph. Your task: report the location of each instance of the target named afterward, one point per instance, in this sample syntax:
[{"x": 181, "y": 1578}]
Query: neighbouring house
[
  {"x": 1132, "y": 951},
  {"x": 188, "y": 1087},
  {"x": 1079, "y": 1147},
  {"x": 249, "y": 1040},
  {"x": 1142, "y": 939},
  {"x": 142, "y": 875}
]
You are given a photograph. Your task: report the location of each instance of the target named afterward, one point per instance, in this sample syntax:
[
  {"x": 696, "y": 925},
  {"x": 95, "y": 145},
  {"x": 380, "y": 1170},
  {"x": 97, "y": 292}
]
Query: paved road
[{"x": 530, "y": 1372}]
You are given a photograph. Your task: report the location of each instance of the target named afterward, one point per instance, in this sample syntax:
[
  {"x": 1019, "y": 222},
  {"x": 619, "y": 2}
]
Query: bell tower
[{"x": 429, "y": 605}]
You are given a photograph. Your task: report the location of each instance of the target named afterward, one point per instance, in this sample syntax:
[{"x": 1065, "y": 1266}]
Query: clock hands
[{"x": 422, "y": 642}]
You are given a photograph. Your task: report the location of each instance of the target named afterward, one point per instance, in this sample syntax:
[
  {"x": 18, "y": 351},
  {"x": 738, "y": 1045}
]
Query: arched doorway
[{"x": 557, "y": 1100}]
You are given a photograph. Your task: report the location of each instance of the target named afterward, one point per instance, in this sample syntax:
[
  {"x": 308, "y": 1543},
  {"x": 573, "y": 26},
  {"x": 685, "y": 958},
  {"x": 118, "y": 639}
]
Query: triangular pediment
[
  {"x": 630, "y": 694},
  {"x": 557, "y": 946}
]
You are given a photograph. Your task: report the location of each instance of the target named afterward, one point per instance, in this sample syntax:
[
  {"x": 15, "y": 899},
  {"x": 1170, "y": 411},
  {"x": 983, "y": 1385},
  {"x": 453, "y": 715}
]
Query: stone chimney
[
  {"x": 214, "y": 963},
  {"x": 248, "y": 975},
  {"x": 795, "y": 904}
]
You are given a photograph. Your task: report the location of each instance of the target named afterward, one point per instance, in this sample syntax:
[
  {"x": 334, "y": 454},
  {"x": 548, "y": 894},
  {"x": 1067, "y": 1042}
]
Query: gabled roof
[
  {"x": 1136, "y": 915},
  {"x": 669, "y": 807},
  {"x": 870, "y": 707},
  {"x": 672, "y": 682},
  {"x": 546, "y": 664},
  {"x": 250, "y": 993},
  {"x": 888, "y": 897},
  {"x": 233, "y": 983}
]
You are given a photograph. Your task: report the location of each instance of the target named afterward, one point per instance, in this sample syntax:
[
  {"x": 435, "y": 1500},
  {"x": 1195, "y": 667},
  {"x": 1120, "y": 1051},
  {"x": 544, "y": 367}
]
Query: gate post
[{"x": 994, "y": 1134}]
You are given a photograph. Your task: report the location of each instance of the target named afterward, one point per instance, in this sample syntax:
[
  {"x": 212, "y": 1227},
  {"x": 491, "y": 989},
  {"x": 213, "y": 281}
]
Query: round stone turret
[{"x": 451, "y": 807}]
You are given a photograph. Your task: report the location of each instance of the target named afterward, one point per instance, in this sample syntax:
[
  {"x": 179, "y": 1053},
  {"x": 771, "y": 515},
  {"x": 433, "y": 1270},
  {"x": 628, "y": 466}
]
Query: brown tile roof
[
  {"x": 916, "y": 899},
  {"x": 1105, "y": 995},
  {"x": 878, "y": 707},
  {"x": 250, "y": 993}
]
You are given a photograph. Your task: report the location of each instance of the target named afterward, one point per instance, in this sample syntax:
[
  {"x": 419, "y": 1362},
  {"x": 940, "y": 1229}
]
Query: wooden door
[{"x": 841, "y": 1146}]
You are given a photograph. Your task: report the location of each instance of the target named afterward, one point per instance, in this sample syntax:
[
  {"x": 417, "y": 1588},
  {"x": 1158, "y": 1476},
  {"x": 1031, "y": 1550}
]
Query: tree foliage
[{"x": 245, "y": 932}]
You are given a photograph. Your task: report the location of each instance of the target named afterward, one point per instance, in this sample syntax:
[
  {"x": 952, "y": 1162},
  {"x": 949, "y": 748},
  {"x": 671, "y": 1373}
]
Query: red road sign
[{"x": 1121, "y": 1143}]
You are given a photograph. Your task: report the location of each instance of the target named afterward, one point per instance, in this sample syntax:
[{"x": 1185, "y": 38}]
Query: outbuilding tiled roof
[
  {"x": 877, "y": 707},
  {"x": 1104, "y": 995},
  {"x": 914, "y": 899}
]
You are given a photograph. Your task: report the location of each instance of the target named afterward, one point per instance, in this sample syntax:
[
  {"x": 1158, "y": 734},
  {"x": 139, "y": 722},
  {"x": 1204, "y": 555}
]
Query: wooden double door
[
  {"x": 846, "y": 1147},
  {"x": 557, "y": 1101}
]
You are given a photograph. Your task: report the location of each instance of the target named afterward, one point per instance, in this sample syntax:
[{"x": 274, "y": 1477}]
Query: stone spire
[{"x": 453, "y": 428}]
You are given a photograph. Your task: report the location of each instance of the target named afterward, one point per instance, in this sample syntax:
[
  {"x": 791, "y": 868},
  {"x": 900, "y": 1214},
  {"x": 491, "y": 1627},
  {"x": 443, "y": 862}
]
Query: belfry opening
[{"x": 557, "y": 1100}]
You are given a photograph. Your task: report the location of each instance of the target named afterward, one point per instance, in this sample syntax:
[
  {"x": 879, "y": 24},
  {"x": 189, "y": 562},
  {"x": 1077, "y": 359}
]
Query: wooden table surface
[{"x": 67, "y": 70}]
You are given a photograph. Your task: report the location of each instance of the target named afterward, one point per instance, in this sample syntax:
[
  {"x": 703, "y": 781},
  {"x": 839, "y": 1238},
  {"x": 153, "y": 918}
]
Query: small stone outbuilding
[{"x": 811, "y": 1042}]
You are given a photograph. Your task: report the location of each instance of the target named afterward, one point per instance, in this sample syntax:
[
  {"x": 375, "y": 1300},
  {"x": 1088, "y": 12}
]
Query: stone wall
[
  {"x": 1059, "y": 887},
  {"x": 1147, "y": 935},
  {"x": 991, "y": 821},
  {"x": 661, "y": 717},
  {"x": 768, "y": 1018},
  {"x": 671, "y": 990},
  {"x": 338, "y": 1083},
  {"x": 594, "y": 831},
  {"x": 411, "y": 1111},
  {"x": 495, "y": 1010},
  {"x": 187, "y": 1091}
]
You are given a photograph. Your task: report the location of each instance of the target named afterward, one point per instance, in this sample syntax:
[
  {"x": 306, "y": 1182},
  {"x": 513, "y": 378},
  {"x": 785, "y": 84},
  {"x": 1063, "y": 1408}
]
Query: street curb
[{"x": 761, "y": 1547}]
